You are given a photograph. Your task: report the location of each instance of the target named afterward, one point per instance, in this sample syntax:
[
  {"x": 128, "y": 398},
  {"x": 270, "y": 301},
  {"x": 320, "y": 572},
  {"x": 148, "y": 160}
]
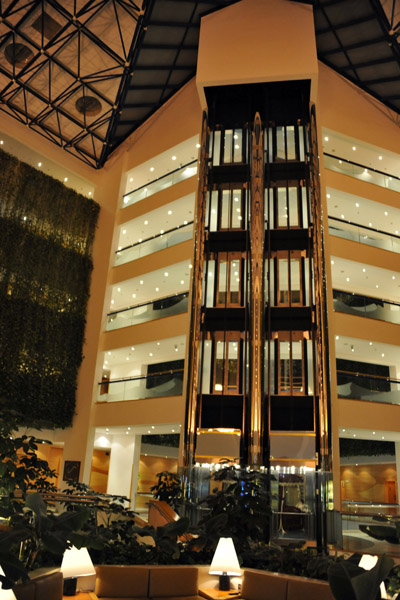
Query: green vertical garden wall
[{"x": 46, "y": 238}]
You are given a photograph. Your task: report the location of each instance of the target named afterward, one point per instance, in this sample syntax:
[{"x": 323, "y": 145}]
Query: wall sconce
[
  {"x": 225, "y": 563},
  {"x": 76, "y": 563}
]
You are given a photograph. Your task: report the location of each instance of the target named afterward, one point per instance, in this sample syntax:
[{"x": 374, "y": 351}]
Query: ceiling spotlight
[
  {"x": 151, "y": 169},
  {"x": 39, "y": 164},
  {"x": 170, "y": 212},
  {"x": 174, "y": 158},
  {"x": 197, "y": 145},
  {"x": 380, "y": 157},
  {"x": 65, "y": 179},
  {"x": 326, "y": 138},
  {"x": 131, "y": 179},
  {"x": 354, "y": 148}
]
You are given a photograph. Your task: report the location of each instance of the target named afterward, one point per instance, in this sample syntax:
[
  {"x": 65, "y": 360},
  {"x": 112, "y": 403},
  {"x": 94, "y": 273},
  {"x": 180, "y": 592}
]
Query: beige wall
[{"x": 366, "y": 483}]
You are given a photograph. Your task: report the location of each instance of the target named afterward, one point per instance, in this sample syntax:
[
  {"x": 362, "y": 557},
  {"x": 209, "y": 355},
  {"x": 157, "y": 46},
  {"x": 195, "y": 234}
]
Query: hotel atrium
[{"x": 245, "y": 294}]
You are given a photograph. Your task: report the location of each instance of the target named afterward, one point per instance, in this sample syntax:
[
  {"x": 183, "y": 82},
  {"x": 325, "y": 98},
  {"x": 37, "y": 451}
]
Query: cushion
[
  {"x": 49, "y": 586},
  {"x": 264, "y": 586},
  {"x": 173, "y": 582},
  {"x": 25, "y": 591},
  {"x": 123, "y": 581},
  {"x": 311, "y": 589}
]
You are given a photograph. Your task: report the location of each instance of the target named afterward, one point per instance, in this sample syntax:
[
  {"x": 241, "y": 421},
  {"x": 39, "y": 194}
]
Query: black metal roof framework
[{"x": 86, "y": 73}]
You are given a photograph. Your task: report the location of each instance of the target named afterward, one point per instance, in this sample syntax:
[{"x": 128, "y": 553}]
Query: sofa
[
  {"x": 144, "y": 582},
  {"x": 44, "y": 587},
  {"x": 263, "y": 585},
  {"x": 182, "y": 583}
]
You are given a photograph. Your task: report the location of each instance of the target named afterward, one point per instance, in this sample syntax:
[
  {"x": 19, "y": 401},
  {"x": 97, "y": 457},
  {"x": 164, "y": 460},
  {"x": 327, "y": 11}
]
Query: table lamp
[
  {"x": 225, "y": 563},
  {"x": 367, "y": 562},
  {"x": 6, "y": 594},
  {"x": 75, "y": 563}
]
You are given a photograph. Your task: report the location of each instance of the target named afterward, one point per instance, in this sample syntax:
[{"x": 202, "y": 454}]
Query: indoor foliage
[{"x": 47, "y": 233}]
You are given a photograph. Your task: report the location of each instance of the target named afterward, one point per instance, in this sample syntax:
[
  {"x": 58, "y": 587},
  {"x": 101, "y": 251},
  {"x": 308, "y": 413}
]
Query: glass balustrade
[
  {"x": 160, "y": 184},
  {"x": 363, "y": 306},
  {"x": 370, "y": 515},
  {"x": 347, "y": 167},
  {"x": 167, "y": 383},
  {"x": 363, "y": 235},
  {"x": 158, "y": 242},
  {"x": 142, "y": 313},
  {"x": 370, "y": 388}
]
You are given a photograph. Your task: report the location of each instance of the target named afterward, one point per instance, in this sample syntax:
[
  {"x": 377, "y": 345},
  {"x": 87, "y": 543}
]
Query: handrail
[
  {"x": 369, "y": 375},
  {"x": 154, "y": 237},
  {"x": 115, "y": 312},
  {"x": 120, "y": 379},
  {"x": 351, "y": 162},
  {"x": 374, "y": 299},
  {"x": 364, "y": 227},
  {"x": 161, "y": 177}
]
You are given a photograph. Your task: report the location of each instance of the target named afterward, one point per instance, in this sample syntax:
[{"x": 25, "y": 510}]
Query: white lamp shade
[
  {"x": 77, "y": 563},
  {"x": 225, "y": 559},
  {"x": 6, "y": 594},
  {"x": 367, "y": 562}
]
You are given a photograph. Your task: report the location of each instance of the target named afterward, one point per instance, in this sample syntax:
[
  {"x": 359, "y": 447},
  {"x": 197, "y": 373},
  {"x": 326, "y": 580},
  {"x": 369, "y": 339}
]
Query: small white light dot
[
  {"x": 383, "y": 356},
  {"x": 132, "y": 347},
  {"x": 146, "y": 222},
  {"x": 386, "y": 213},
  {"x": 370, "y": 343},
  {"x": 326, "y": 138},
  {"x": 39, "y": 164},
  {"x": 357, "y": 204},
  {"x": 170, "y": 212},
  {"x": 126, "y": 200},
  {"x": 166, "y": 274},
  {"x": 332, "y": 262},
  {"x": 197, "y": 145},
  {"x": 364, "y": 270},
  {"x": 190, "y": 266},
  {"x": 380, "y": 157},
  {"x": 127, "y": 358},
  {"x": 65, "y": 179},
  {"x": 377, "y": 286},
  {"x": 150, "y": 354},
  {"x": 157, "y": 289},
  {"x": 337, "y": 337},
  {"x": 124, "y": 231},
  {"x": 328, "y": 195},
  {"x": 151, "y": 169},
  {"x": 131, "y": 179},
  {"x": 90, "y": 193},
  {"x": 347, "y": 278},
  {"x": 182, "y": 282},
  {"x": 393, "y": 277},
  {"x": 174, "y": 158},
  {"x": 133, "y": 295},
  {"x": 354, "y": 148},
  {"x": 112, "y": 301},
  {"x": 141, "y": 282}
]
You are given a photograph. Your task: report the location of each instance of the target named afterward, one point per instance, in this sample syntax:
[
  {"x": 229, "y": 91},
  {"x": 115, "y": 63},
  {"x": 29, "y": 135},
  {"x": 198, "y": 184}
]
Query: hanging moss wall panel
[{"x": 47, "y": 233}]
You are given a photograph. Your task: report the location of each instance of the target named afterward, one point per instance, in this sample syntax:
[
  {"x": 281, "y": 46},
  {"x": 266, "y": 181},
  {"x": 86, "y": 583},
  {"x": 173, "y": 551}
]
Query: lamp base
[
  {"x": 70, "y": 586},
  {"x": 224, "y": 583}
]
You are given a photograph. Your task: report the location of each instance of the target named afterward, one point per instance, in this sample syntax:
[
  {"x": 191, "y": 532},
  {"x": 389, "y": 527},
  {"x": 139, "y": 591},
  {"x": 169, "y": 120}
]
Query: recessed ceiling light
[
  {"x": 109, "y": 353},
  {"x": 365, "y": 170},
  {"x": 380, "y": 157},
  {"x": 369, "y": 224},
  {"x": 342, "y": 216},
  {"x": 393, "y": 277},
  {"x": 197, "y": 145},
  {"x": 326, "y": 138},
  {"x": 357, "y": 204},
  {"x": 343, "y": 430},
  {"x": 126, "y": 200},
  {"x": 174, "y": 158},
  {"x": 328, "y": 195},
  {"x": 132, "y": 347},
  {"x": 347, "y": 278},
  {"x": 151, "y": 169},
  {"x": 124, "y": 231},
  {"x": 39, "y": 164},
  {"x": 133, "y": 295},
  {"x": 370, "y": 343},
  {"x": 90, "y": 193},
  {"x": 152, "y": 427},
  {"x": 373, "y": 433},
  {"x": 383, "y": 437},
  {"x": 112, "y": 301},
  {"x": 150, "y": 354},
  {"x": 65, "y": 179},
  {"x": 141, "y": 282},
  {"x": 157, "y": 289},
  {"x": 383, "y": 356},
  {"x": 161, "y": 230},
  {"x": 354, "y": 435},
  {"x": 332, "y": 262},
  {"x": 364, "y": 270},
  {"x": 190, "y": 266},
  {"x": 127, "y": 358},
  {"x": 118, "y": 289},
  {"x": 337, "y": 337},
  {"x": 182, "y": 282},
  {"x": 146, "y": 222},
  {"x": 354, "y": 148},
  {"x": 166, "y": 274},
  {"x": 131, "y": 179},
  {"x": 170, "y": 212},
  {"x": 386, "y": 213},
  {"x": 377, "y": 286}
]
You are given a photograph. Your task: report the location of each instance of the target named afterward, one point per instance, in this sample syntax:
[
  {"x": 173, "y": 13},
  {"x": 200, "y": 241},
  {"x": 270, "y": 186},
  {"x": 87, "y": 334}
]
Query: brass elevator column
[
  {"x": 256, "y": 300},
  {"x": 195, "y": 324}
]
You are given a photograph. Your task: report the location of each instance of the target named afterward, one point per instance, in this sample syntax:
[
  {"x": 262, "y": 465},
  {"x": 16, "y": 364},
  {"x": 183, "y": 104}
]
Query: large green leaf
[{"x": 366, "y": 586}]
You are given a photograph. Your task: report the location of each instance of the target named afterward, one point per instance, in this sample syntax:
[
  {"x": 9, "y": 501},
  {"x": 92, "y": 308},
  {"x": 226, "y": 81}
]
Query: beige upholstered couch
[
  {"x": 142, "y": 582},
  {"x": 45, "y": 587},
  {"x": 262, "y": 585},
  {"x": 182, "y": 583}
]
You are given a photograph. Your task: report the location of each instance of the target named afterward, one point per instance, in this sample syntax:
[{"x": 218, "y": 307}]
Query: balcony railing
[
  {"x": 364, "y": 306},
  {"x": 367, "y": 174},
  {"x": 158, "y": 242},
  {"x": 149, "y": 311},
  {"x": 370, "y": 388},
  {"x": 162, "y": 183},
  {"x": 157, "y": 385},
  {"x": 364, "y": 235}
]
